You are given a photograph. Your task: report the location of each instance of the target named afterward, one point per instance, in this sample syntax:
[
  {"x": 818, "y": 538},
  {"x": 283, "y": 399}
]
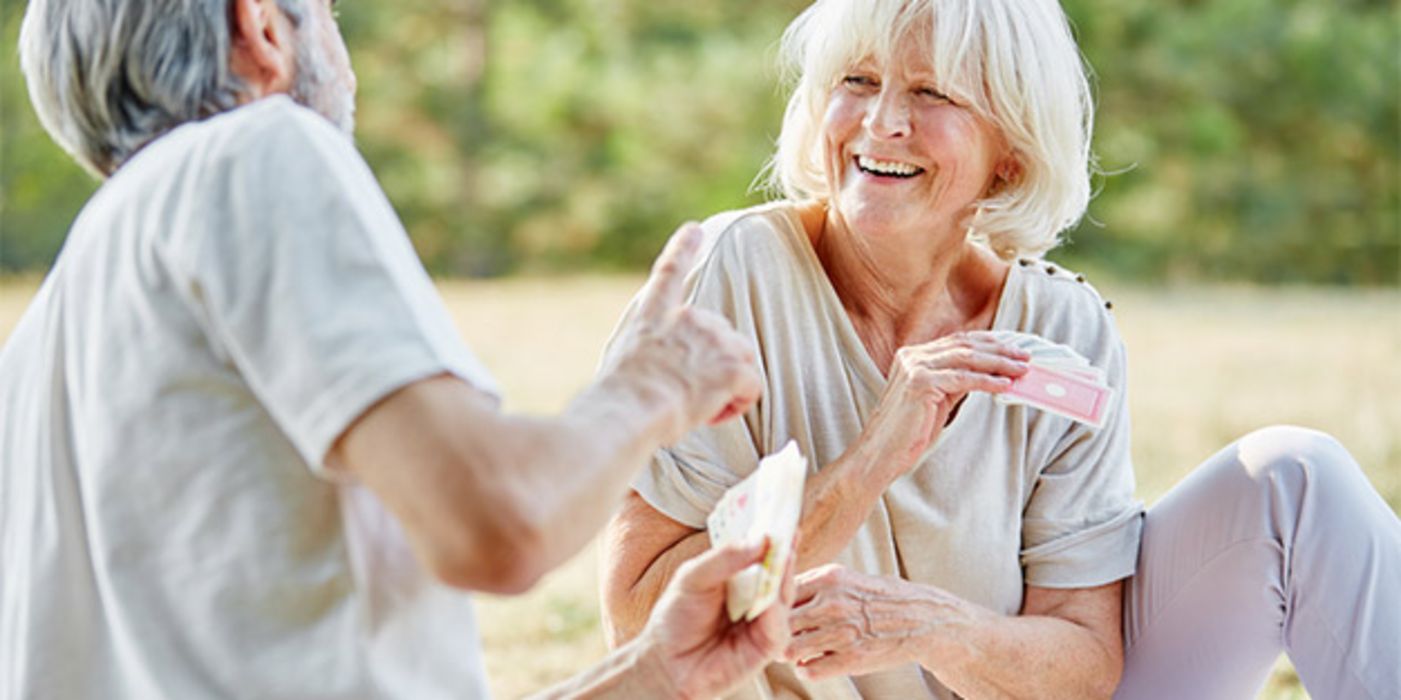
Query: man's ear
[{"x": 261, "y": 50}]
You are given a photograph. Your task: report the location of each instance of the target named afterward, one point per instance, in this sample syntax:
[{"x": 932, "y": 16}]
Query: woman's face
[{"x": 902, "y": 156}]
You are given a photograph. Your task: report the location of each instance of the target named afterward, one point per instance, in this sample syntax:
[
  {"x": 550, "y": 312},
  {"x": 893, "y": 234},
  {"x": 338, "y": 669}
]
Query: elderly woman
[{"x": 932, "y": 151}]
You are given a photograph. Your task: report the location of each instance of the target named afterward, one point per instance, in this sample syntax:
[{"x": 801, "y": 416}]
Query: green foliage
[
  {"x": 588, "y": 133},
  {"x": 1260, "y": 139},
  {"x": 41, "y": 188},
  {"x": 1254, "y": 139}
]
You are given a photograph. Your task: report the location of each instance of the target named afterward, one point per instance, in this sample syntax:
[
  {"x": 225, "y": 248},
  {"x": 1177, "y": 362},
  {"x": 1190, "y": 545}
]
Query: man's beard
[{"x": 315, "y": 85}]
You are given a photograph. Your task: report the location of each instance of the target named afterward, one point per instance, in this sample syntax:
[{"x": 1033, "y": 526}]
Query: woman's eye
[
  {"x": 932, "y": 93},
  {"x": 859, "y": 81}
]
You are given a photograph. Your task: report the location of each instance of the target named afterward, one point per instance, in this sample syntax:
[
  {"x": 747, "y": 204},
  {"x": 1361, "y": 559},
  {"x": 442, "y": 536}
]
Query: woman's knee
[{"x": 1297, "y": 459}]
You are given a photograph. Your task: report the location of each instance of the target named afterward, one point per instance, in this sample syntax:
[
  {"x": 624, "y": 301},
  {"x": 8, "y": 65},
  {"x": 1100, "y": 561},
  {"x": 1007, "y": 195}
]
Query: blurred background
[
  {"x": 539, "y": 152},
  {"x": 1257, "y": 140}
]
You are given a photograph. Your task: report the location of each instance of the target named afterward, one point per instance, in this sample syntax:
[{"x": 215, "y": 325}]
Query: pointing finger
[
  {"x": 665, "y": 286},
  {"x": 746, "y": 391}
]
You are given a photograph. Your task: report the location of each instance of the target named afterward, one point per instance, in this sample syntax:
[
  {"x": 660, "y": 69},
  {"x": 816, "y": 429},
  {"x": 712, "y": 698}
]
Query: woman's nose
[{"x": 889, "y": 116}]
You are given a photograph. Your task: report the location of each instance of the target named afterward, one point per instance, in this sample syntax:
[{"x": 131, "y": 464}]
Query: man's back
[{"x": 226, "y": 304}]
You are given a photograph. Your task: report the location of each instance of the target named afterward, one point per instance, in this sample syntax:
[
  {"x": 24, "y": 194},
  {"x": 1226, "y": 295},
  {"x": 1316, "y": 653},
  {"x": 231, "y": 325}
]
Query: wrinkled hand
[
  {"x": 702, "y": 653},
  {"x": 694, "y": 356},
  {"x": 847, "y": 623},
  {"x": 926, "y": 382}
]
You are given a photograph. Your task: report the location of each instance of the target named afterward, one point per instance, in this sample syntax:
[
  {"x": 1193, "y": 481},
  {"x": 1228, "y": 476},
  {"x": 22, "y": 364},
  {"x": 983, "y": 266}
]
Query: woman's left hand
[{"x": 846, "y": 622}]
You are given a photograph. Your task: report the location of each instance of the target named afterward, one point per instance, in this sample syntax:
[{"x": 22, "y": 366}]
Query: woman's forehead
[{"x": 907, "y": 59}]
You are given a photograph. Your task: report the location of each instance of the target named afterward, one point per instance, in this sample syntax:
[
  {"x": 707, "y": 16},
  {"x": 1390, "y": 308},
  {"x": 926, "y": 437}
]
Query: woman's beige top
[{"x": 1007, "y": 495}]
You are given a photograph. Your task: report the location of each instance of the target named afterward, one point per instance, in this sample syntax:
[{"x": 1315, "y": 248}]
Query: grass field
[{"x": 1206, "y": 366}]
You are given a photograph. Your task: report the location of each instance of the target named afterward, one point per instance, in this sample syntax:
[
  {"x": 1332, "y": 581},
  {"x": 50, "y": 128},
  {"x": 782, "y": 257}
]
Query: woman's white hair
[
  {"x": 1014, "y": 62},
  {"x": 108, "y": 76}
]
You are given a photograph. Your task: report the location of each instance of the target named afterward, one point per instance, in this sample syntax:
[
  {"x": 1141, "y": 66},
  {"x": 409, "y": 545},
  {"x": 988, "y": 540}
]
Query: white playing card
[{"x": 767, "y": 503}]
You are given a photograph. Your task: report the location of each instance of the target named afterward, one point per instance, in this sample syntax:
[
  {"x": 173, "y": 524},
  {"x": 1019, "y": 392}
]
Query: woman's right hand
[{"x": 925, "y": 384}]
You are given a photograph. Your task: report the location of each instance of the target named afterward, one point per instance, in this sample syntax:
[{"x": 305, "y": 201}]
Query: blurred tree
[
  {"x": 1255, "y": 139},
  {"x": 1260, "y": 138},
  {"x": 41, "y": 188}
]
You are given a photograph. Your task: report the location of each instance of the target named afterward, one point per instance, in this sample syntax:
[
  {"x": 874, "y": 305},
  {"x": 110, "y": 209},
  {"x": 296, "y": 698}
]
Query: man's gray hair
[{"x": 109, "y": 76}]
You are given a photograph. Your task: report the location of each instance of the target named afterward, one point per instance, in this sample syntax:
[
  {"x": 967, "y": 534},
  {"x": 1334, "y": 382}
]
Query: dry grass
[{"x": 1207, "y": 365}]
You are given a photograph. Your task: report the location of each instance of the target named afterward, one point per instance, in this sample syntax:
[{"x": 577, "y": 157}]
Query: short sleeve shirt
[
  {"x": 1006, "y": 496},
  {"x": 224, "y": 307}
]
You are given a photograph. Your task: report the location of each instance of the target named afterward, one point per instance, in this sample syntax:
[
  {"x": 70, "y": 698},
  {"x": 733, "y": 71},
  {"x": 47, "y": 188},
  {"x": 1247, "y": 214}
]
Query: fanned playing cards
[
  {"x": 1060, "y": 381},
  {"x": 767, "y": 503}
]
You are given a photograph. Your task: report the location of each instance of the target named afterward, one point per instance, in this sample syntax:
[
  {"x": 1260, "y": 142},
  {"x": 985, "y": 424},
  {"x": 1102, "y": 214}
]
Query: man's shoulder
[
  {"x": 240, "y": 175},
  {"x": 279, "y": 121},
  {"x": 270, "y": 115},
  {"x": 268, "y": 130}
]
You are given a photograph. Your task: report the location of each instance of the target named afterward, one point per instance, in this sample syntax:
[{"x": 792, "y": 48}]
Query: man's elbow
[
  {"x": 507, "y": 573},
  {"x": 505, "y": 555}
]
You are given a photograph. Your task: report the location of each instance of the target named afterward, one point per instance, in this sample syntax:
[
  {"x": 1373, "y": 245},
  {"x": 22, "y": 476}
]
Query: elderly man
[{"x": 243, "y": 446}]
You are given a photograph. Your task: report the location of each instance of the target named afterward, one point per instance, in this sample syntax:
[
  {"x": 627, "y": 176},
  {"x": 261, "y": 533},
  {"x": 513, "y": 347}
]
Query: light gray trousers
[{"x": 1276, "y": 543}]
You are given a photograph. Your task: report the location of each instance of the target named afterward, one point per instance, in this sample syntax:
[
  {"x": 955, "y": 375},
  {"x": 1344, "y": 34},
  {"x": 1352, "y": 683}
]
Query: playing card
[
  {"x": 1048, "y": 352},
  {"x": 1051, "y": 354},
  {"x": 1092, "y": 374},
  {"x": 767, "y": 503},
  {"x": 1078, "y": 369},
  {"x": 1061, "y": 392}
]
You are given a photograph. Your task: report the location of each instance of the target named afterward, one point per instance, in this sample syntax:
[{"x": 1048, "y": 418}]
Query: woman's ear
[
  {"x": 262, "y": 53},
  {"x": 1008, "y": 170}
]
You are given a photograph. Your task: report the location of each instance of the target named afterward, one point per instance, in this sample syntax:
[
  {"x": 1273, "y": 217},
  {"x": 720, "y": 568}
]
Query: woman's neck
[{"x": 907, "y": 288}]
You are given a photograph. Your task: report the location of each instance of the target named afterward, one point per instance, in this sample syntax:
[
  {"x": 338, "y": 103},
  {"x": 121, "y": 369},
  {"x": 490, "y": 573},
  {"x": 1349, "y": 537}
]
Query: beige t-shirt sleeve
[
  {"x": 686, "y": 481},
  {"x": 1081, "y": 524}
]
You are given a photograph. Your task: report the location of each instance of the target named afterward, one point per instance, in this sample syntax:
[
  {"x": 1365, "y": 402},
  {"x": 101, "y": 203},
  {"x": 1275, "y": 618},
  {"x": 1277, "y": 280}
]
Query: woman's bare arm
[{"x": 1066, "y": 643}]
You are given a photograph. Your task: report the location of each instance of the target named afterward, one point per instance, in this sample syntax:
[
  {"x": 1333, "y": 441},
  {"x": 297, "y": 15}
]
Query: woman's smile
[
  {"x": 904, "y": 157},
  {"x": 881, "y": 168}
]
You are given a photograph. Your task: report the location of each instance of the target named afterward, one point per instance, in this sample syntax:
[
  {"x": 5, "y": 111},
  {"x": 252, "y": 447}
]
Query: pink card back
[{"x": 1065, "y": 393}]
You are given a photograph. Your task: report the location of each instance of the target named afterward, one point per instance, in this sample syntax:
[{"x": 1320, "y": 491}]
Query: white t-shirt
[
  {"x": 1006, "y": 496},
  {"x": 224, "y": 307}
]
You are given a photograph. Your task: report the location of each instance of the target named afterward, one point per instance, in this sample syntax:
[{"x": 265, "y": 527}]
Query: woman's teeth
[{"x": 888, "y": 168}]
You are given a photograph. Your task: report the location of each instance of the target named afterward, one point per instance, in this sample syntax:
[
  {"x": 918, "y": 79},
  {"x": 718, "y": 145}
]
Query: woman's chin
[{"x": 881, "y": 219}]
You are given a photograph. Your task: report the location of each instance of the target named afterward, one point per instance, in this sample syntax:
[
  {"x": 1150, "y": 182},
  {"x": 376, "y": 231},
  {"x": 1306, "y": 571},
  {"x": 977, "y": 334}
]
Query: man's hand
[
  {"x": 702, "y": 653},
  {"x": 693, "y": 358}
]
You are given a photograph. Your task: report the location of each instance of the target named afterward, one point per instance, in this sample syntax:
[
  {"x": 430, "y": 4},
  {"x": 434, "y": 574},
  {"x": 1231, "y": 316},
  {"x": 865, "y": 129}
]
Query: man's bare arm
[{"x": 492, "y": 501}]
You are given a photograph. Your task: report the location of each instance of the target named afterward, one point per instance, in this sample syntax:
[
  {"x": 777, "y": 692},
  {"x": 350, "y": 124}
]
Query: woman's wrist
[
  {"x": 954, "y": 627},
  {"x": 867, "y": 462}
]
